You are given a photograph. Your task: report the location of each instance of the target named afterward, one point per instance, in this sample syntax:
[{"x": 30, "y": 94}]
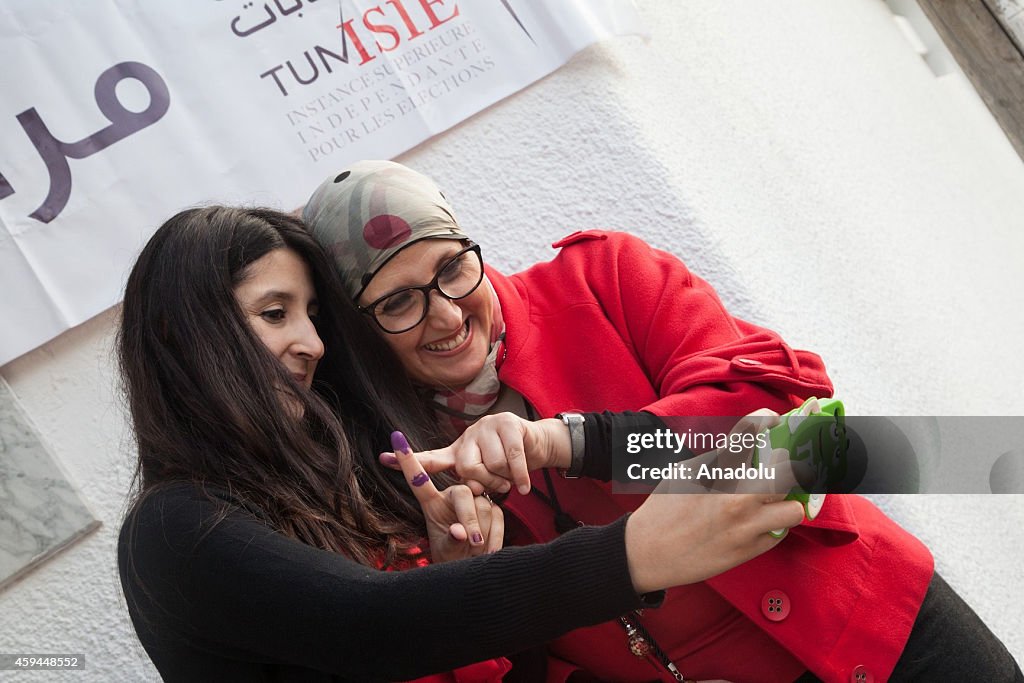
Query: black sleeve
[
  {"x": 599, "y": 432},
  {"x": 238, "y": 587}
]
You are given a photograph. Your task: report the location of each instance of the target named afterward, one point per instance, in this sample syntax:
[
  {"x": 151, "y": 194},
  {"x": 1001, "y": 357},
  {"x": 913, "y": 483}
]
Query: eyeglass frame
[{"x": 427, "y": 289}]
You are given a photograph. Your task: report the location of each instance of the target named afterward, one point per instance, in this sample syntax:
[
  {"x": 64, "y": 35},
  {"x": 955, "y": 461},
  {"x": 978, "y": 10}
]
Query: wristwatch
[{"x": 574, "y": 421}]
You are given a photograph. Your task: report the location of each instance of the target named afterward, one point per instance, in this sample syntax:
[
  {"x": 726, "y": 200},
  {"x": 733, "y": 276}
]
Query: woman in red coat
[{"x": 611, "y": 324}]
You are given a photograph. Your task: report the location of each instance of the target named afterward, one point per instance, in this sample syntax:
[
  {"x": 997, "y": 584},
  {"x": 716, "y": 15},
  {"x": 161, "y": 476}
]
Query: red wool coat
[{"x": 612, "y": 324}]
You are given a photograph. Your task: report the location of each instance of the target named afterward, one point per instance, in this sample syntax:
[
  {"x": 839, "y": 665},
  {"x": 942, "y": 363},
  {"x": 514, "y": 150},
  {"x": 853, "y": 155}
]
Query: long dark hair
[{"x": 205, "y": 394}]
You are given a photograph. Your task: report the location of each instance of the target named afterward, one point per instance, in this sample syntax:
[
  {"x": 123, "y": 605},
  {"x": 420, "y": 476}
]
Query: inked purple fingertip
[
  {"x": 420, "y": 479},
  {"x": 477, "y": 538},
  {"x": 399, "y": 442}
]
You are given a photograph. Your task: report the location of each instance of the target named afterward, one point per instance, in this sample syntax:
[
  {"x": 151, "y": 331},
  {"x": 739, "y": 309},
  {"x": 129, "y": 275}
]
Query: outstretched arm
[{"x": 239, "y": 588}]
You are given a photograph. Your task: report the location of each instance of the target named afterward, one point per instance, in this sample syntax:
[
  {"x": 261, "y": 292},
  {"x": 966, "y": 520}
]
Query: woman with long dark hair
[
  {"x": 259, "y": 539},
  {"x": 205, "y": 395}
]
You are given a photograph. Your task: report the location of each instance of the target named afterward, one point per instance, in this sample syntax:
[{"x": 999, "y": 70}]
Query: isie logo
[{"x": 379, "y": 29}]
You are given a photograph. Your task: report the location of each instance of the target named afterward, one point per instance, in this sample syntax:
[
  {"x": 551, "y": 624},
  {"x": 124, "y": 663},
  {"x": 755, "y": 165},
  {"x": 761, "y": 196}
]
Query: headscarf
[
  {"x": 366, "y": 214},
  {"x": 370, "y": 211}
]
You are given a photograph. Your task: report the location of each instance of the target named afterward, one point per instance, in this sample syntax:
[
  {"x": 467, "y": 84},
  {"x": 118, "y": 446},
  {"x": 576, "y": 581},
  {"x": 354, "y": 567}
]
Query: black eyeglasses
[{"x": 406, "y": 308}]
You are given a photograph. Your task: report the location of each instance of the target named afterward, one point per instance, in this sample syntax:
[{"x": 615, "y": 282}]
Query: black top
[
  {"x": 234, "y": 600},
  {"x": 599, "y": 431}
]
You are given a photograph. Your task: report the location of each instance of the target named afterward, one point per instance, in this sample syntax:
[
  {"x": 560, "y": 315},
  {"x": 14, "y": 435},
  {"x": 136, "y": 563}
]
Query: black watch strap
[{"x": 574, "y": 421}]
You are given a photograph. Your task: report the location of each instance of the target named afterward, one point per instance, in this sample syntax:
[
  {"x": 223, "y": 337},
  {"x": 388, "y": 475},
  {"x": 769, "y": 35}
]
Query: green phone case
[{"x": 820, "y": 437}]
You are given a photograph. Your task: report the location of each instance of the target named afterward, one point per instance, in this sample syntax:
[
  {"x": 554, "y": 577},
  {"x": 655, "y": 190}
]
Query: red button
[
  {"x": 775, "y": 605},
  {"x": 861, "y": 675}
]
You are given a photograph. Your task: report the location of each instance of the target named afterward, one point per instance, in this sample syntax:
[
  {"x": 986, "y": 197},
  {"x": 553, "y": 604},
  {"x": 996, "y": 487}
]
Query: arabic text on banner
[{"x": 115, "y": 115}]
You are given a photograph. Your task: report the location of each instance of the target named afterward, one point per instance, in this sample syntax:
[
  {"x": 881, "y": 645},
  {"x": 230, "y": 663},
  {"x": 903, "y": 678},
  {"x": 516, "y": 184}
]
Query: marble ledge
[{"x": 41, "y": 512}]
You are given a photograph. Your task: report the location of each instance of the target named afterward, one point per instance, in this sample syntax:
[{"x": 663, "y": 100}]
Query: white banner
[{"x": 116, "y": 114}]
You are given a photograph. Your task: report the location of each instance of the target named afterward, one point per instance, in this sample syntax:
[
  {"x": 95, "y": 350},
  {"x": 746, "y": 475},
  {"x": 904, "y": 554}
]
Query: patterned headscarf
[
  {"x": 372, "y": 210},
  {"x": 366, "y": 214}
]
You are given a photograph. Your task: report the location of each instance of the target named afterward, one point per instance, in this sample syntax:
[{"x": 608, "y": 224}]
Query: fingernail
[
  {"x": 399, "y": 442},
  {"x": 524, "y": 489},
  {"x": 477, "y": 538},
  {"x": 420, "y": 479},
  {"x": 388, "y": 459}
]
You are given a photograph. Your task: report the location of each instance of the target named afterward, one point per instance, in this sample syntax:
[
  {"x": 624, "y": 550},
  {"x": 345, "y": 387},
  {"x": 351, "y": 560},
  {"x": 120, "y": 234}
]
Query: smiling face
[
  {"x": 279, "y": 302},
  {"x": 449, "y": 347}
]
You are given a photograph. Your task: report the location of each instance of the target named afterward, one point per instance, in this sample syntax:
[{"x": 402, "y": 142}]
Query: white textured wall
[{"x": 801, "y": 157}]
